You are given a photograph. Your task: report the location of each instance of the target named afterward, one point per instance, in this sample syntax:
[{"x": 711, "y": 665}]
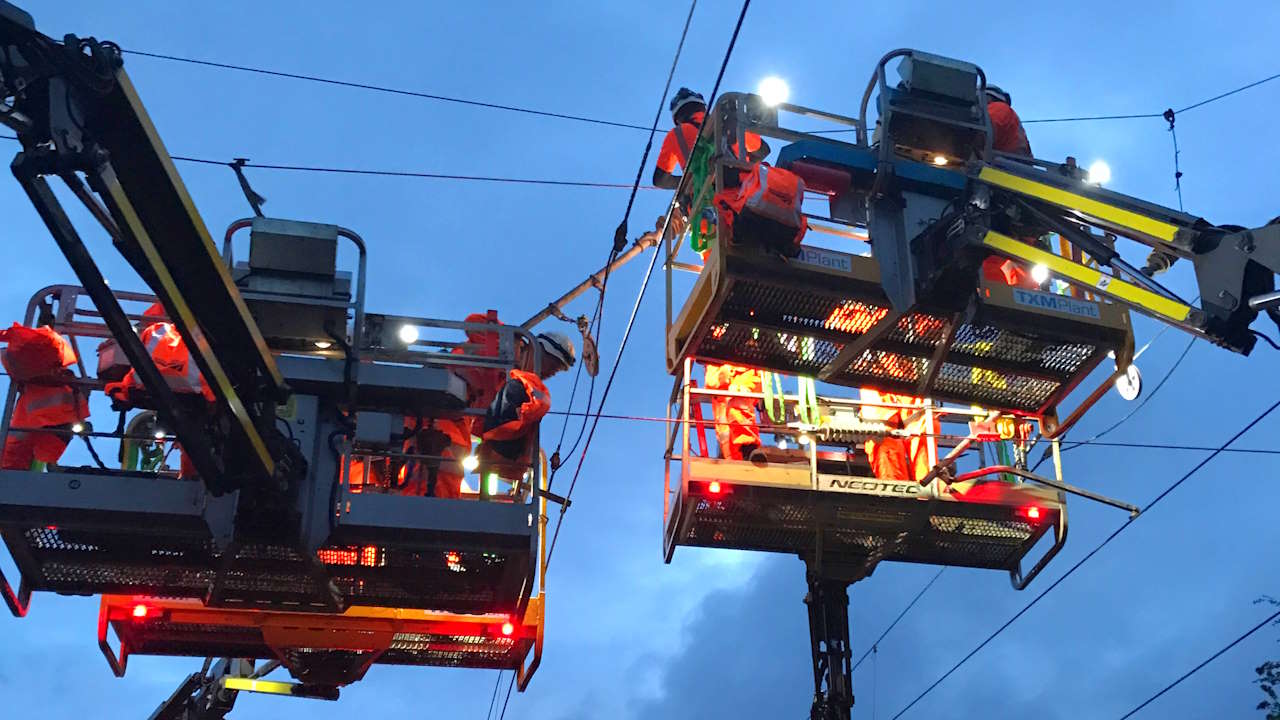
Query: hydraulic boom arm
[{"x": 79, "y": 119}]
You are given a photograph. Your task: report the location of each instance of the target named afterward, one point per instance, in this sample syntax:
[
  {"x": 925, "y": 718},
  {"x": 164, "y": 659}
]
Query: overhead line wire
[
  {"x": 1088, "y": 556},
  {"x": 619, "y": 242},
  {"x": 1274, "y": 616},
  {"x": 872, "y": 648},
  {"x": 385, "y": 89},
  {"x": 644, "y": 285}
]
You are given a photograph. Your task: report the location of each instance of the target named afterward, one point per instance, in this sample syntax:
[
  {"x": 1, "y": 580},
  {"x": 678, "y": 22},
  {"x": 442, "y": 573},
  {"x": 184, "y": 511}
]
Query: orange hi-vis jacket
[
  {"x": 1007, "y": 132},
  {"x": 517, "y": 421},
  {"x": 897, "y": 458},
  {"x": 172, "y": 358},
  {"x": 1009, "y": 136},
  {"x": 679, "y": 142},
  {"x": 452, "y": 438},
  {"x": 735, "y": 417},
  {"x": 37, "y": 358}
]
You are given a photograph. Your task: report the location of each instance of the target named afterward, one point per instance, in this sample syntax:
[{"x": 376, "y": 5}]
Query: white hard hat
[{"x": 558, "y": 346}]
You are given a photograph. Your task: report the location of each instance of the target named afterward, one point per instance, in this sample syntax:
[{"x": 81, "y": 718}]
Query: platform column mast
[{"x": 828, "y": 604}]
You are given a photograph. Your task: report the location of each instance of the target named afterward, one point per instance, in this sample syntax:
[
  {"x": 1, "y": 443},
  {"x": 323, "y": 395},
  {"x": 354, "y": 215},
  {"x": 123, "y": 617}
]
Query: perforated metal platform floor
[
  {"x": 1022, "y": 350},
  {"x": 150, "y": 549},
  {"x": 861, "y": 518}
]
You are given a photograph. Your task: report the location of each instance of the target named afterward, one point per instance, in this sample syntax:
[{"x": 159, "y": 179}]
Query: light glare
[
  {"x": 773, "y": 90},
  {"x": 1099, "y": 172}
]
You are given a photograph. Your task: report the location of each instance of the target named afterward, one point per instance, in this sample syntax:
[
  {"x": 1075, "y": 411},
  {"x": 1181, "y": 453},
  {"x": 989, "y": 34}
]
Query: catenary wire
[
  {"x": 1088, "y": 556},
  {"x": 635, "y": 309},
  {"x": 619, "y": 240},
  {"x": 1274, "y": 616}
]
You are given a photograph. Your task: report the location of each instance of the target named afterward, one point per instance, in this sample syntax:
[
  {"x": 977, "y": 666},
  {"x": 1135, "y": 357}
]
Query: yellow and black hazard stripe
[
  {"x": 1106, "y": 285},
  {"x": 1116, "y": 217}
]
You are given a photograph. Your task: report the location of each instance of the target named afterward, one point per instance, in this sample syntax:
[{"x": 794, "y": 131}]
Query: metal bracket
[{"x": 18, "y": 602}]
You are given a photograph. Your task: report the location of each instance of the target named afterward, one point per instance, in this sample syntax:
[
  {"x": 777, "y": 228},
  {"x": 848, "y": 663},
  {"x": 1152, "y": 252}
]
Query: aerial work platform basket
[
  {"x": 815, "y": 495},
  {"x": 828, "y": 310},
  {"x": 330, "y": 650},
  {"x": 326, "y": 650},
  {"x": 158, "y": 531}
]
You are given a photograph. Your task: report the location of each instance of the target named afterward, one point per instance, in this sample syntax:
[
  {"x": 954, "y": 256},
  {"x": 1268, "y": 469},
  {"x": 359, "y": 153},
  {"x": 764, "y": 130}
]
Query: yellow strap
[
  {"x": 1104, "y": 284},
  {"x": 1124, "y": 218}
]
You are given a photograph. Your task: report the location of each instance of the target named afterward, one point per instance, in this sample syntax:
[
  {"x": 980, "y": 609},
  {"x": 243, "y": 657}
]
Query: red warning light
[
  {"x": 140, "y": 611},
  {"x": 452, "y": 558},
  {"x": 1031, "y": 512},
  {"x": 508, "y": 628},
  {"x": 369, "y": 556},
  {"x": 337, "y": 556},
  {"x": 713, "y": 487}
]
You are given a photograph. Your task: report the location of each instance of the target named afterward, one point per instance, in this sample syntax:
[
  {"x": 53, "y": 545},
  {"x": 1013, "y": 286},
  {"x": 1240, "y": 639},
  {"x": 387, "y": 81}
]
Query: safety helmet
[
  {"x": 559, "y": 347},
  {"x": 994, "y": 92},
  {"x": 683, "y": 98}
]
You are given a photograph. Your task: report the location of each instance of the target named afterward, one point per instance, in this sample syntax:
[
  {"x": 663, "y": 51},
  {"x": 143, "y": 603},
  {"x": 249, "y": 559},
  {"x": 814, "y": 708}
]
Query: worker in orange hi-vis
[
  {"x": 1008, "y": 136},
  {"x": 895, "y": 457},
  {"x": 38, "y": 358},
  {"x": 736, "y": 427},
  {"x": 737, "y": 431},
  {"x": 688, "y": 110},
  {"x": 450, "y": 438},
  {"x": 521, "y": 403}
]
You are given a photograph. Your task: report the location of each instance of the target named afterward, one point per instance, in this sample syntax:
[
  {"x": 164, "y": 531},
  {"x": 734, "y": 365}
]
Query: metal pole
[{"x": 642, "y": 243}]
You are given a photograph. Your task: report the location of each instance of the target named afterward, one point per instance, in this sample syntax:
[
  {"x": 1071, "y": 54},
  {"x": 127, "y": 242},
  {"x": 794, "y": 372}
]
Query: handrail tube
[{"x": 1134, "y": 510}]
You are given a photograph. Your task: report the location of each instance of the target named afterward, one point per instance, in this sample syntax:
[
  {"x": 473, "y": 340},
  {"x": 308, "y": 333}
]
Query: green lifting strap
[
  {"x": 1004, "y": 457},
  {"x": 776, "y": 410},
  {"x": 807, "y": 407},
  {"x": 699, "y": 167}
]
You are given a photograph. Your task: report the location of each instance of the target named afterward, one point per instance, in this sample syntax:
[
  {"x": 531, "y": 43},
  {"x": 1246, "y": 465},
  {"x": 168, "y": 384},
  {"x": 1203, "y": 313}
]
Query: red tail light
[
  {"x": 713, "y": 487},
  {"x": 369, "y": 556},
  {"x": 140, "y": 611},
  {"x": 1031, "y": 512},
  {"x": 508, "y": 628}
]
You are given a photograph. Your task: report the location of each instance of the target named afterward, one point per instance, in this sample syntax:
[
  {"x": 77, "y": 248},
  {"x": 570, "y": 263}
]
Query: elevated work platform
[
  {"x": 861, "y": 520},
  {"x": 85, "y": 534},
  {"x": 161, "y": 532},
  {"x": 808, "y": 488},
  {"x": 929, "y": 327},
  {"x": 326, "y": 650},
  {"x": 1021, "y": 350}
]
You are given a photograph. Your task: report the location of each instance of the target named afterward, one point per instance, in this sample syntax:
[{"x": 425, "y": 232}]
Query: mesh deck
[
  {"x": 795, "y": 318},
  {"x": 410, "y": 576},
  {"x": 857, "y": 528}
]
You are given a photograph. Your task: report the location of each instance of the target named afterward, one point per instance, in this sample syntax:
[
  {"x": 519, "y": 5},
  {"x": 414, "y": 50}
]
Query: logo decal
[
  {"x": 825, "y": 259},
  {"x": 870, "y": 486},
  {"x": 1056, "y": 303}
]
